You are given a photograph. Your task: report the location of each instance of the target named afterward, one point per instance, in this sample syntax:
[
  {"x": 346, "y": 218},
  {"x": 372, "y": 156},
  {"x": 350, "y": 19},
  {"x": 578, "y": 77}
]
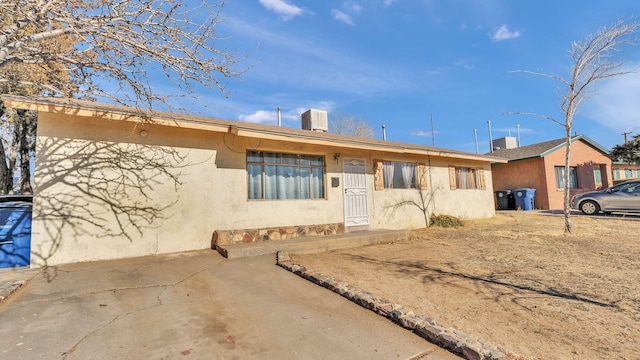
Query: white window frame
[{"x": 285, "y": 176}]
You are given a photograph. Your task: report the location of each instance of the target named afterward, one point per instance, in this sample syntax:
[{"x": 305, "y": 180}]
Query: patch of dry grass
[{"x": 515, "y": 280}]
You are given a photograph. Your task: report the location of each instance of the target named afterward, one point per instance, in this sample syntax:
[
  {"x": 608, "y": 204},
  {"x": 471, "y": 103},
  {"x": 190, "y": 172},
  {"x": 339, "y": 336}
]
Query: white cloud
[
  {"x": 282, "y": 8},
  {"x": 340, "y": 16},
  {"x": 352, "y": 7},
  {"x": 503, "y": 33},
  {"x": 512, "y": 131},
  {"x": 423, "y": 133},
  {"x": 463, "y": 64},
  {"x": 388, "y": 3},
  {"x": 616, "y": 104},
  {"x": 261, "y": 117}
]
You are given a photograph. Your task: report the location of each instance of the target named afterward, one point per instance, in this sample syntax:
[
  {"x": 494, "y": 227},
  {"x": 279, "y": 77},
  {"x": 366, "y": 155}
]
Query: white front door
[{"x": 356, "y": 211}]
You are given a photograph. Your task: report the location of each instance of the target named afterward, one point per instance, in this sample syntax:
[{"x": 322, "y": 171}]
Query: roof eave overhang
[{"x": 235, "y": 128}]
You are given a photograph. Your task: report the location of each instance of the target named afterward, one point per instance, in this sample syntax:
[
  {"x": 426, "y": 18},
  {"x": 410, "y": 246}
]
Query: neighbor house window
[
  {"x": 399, "y": 175},
  {"x": 573, "y": 177},
  {"x": 597, "y": 176},
  {"x": 466, "y": 178},
  {"x": 617, "y": 174},
  {"x": 627, "y": 174},
  {"x": 276, "y": 176}
]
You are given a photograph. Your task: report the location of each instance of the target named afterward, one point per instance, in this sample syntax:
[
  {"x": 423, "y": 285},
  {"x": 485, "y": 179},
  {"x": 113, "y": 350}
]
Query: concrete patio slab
[{"x": 194, "y": 305}]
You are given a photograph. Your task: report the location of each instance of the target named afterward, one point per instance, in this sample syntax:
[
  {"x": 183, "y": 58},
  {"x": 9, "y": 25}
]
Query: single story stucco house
[
  {"x": 623, "y": 171},
  {"x": 114, "y": 182}
]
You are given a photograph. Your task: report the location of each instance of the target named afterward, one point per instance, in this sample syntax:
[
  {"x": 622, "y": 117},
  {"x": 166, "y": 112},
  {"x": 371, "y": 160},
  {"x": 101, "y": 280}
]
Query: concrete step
[{"x": 312, "y": 244}]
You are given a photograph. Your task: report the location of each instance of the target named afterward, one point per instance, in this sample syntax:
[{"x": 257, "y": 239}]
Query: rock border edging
[{"x": 455, "y": 341}]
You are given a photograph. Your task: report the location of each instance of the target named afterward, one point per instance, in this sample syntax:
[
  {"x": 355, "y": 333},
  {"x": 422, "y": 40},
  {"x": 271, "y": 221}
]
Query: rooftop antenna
[
  {"x": 490, "y": 137},
  {"x": 384, "y": 133},
  {"x": 475, "y": 135},
  {"x": 433, "y": 133},
  {"x": 518, "y": 127},
  {"x": 625, "y": 136},
  {"x": 279, "y": 118}
]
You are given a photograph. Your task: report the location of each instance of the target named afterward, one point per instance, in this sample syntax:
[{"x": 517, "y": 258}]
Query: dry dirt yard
[{"x": 514, "y": 281}]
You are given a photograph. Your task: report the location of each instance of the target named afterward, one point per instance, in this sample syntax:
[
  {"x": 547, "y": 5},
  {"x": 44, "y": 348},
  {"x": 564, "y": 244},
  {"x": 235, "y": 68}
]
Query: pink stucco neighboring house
[{"x": 541, "y": 167}]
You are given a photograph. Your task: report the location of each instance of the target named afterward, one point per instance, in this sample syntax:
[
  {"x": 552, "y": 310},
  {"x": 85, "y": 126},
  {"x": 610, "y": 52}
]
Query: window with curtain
[
  {"x": 276, "y": 176},
  {"x": 466, "y": 178},
  {"x": 399, "y": 175},
  {"x": 573, "y": 177}
]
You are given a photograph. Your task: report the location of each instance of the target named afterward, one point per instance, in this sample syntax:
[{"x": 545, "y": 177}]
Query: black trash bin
[
  {"x": 505, "y": 200},
  {"x": 15, "y": 234}
]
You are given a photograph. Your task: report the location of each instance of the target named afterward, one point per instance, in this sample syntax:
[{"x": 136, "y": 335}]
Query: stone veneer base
[{"x": 228, "y": 237}]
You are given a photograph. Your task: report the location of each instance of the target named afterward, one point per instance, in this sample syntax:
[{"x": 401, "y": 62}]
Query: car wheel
[{"x": 590, "y": 207}]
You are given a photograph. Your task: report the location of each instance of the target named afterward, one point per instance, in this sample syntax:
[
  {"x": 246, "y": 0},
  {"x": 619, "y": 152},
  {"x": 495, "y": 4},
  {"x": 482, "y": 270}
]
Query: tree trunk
[
  {"x": 24, "y": 132},
  {"x": 5, "y": 182},
  {"x": 568, "y": 226},
  {"x": 5, "y": 178}
]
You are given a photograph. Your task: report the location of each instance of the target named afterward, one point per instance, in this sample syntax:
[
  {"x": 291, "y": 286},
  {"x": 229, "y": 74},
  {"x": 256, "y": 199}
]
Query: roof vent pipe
[
  {"x": 384, "y": 133},
  {"x": 490, "y": 137},
  {"x": 475, "y": 136},
  {"x": 279, "y": 118},
  {"x": 518, "y": 127}
]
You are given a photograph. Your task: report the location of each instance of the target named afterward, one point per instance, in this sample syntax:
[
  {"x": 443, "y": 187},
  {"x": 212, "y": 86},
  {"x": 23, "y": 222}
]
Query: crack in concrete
[
  {"x": 165, "y": 286},
  {"x": 74, "y": 347},
  {"x": 149, "y": 286}
]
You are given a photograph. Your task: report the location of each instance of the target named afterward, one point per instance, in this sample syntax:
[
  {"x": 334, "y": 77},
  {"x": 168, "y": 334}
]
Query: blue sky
[{"x": 398, "y": 62}]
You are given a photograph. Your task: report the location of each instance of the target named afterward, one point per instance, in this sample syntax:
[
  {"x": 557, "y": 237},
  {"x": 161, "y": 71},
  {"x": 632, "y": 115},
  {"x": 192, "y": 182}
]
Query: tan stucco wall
[
  {"x": 619, "y": 174},
  {"x": 76, "y": 156},
  {"x": 463, "y": 203}
]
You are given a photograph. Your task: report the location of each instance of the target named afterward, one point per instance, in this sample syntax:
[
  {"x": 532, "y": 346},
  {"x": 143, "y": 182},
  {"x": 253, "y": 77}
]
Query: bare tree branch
[
  {"x": 349, "y": 125},
  {"x": 533, "y": 114},
  {"x": 126, "y": 41},
  {"x": 592, "y": 62}
]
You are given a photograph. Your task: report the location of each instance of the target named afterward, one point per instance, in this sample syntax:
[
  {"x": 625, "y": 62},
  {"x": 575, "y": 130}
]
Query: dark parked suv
[{"x": 624, "y": 197}]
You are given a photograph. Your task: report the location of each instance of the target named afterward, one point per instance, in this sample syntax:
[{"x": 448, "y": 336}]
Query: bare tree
[
  {"x": 349, "y": 125},
  {"x": 425, "y": 202},
  {"x": 18, "y": 131},
  {"x": 426, "y": 192},
  {"x": 113, "y": 50},
  {"x": 592, "y": 61},
  {"x": 121, "y": 44},
  {"x": 18, "y": 128}
]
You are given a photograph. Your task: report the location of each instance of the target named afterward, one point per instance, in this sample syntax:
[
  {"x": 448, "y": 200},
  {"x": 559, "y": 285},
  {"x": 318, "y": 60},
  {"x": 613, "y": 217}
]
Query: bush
[{"x": 445, "y": 221}]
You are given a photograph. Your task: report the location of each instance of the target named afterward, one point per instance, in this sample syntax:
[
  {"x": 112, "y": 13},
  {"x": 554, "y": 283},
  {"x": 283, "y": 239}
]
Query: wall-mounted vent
[{"x": 315, "y": 120}]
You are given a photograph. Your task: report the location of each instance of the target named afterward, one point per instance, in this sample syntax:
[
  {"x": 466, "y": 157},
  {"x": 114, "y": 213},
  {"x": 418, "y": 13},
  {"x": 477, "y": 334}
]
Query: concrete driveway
[{"x": 194, "y": 305}]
